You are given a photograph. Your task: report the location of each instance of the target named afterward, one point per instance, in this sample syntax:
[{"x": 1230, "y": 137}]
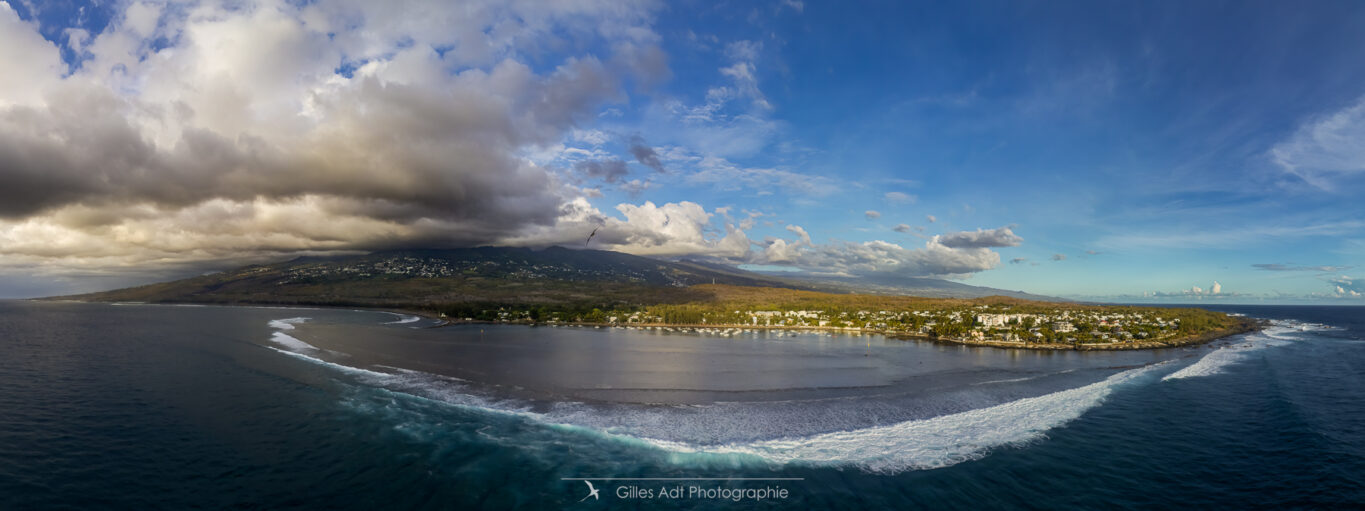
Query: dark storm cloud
[
  {"x": 607, "y": 170},
  {"x": 1001, "y": 237},
  {"x": 645, "y": 154}
]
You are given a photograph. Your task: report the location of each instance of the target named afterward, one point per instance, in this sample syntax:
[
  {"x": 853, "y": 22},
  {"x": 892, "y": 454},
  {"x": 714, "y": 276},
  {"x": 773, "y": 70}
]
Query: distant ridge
[{"x": 422, "y": 278}]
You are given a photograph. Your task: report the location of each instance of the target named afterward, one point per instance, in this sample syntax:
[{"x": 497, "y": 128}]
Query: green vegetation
[
  {"x": 567, "y": 286},
  {"x": 992, "y": 320}
]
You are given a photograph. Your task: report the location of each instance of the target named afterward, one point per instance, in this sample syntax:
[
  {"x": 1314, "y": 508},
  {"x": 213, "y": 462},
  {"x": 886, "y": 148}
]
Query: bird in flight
[
  {"x": 592, "y": 492},
  {"x": 585, "y": 243}
]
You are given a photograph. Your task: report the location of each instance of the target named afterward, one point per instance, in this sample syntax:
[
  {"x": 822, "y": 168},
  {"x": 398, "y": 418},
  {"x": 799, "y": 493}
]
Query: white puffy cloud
[
  {"x": 264, "y": 127},
  {"x": 1347, "y": 287},
  {"x": 1214, "y": 291},
  {"x": 877, "y": 257},
  {"x": 245, "y": 131},
  {"x": 881, "y": 257},
  {"x": 31, "y": 63},
  {"x": 805, "y": 236},
  {"x": 872, "y": 215},
  {"x": 668, "y": 230}
]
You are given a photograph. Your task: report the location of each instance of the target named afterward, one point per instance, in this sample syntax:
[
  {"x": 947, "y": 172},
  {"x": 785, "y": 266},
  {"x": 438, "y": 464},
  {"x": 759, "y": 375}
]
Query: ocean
[{"x": 107, "y": 406}]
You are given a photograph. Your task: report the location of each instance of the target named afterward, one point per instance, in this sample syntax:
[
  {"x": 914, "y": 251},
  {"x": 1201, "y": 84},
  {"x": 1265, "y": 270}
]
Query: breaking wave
[
  {"x": 286, "y": 340},
  {"x": 1280, "y": 333},
  {"x": 403, "y": 319},
  {"x": 287, "y": 323},
  {"x": 917, "y": 444},
  {"x": 935, "y": 442}
]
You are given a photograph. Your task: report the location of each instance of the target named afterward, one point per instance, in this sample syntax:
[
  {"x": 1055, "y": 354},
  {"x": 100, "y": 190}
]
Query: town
[{"x": 1022, "y": 325}]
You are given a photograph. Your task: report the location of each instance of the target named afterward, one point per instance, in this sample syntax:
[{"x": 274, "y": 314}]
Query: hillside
[{"x": 428, "y": 279}]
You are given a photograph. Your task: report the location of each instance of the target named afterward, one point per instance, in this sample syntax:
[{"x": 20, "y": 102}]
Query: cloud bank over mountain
[{"x": 195, "y": 134}]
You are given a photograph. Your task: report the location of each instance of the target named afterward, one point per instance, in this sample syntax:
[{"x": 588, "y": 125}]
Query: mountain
[
  {"x": 491, "y": 276},
  {"x": 920, "y": 286}
]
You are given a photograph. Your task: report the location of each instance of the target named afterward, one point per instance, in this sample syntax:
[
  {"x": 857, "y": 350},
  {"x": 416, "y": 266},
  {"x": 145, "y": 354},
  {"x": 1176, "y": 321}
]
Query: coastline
[{"x": 1244, "y": 325}]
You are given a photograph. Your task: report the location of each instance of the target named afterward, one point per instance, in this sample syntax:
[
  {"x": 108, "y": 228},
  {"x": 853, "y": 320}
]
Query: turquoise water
[{"x": 210, "y": 407}]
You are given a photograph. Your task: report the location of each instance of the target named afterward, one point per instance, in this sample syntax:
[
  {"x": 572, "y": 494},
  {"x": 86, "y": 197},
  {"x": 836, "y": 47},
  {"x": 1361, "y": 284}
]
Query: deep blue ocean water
[{"x": 161, "y": 407}]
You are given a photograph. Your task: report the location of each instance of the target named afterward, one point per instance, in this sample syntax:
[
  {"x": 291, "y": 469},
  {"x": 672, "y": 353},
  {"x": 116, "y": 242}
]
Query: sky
[{"x": 1195, "y": 152}]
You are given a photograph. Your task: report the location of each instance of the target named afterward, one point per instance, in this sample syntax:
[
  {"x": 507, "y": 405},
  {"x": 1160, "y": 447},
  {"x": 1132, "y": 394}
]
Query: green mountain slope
[{"x": 486, "y": 275}]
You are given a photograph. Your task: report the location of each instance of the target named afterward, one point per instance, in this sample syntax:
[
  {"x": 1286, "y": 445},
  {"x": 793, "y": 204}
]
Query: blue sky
[{"x": 1097, "y": 150}]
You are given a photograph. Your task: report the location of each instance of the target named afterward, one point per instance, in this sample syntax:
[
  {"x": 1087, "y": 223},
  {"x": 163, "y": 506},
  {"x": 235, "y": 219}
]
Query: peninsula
[
  {"x": 995, "y": 321},
  {"x": 588, "y": 287}
]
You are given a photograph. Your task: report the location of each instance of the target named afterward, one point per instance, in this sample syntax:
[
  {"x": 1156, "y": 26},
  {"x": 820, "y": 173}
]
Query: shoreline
[{"x": 1245, "y": 325}]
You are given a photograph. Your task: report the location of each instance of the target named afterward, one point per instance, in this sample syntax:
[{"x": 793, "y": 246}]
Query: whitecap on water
[
  {"x": 283, "y": 339},
  {"x": 286, "y": 323},
  {"x": 909, "y": 445},
  {"x": 929, "y": 443},
  {"x": 403, "y": 319},
  {"x": 1216, "y": 361}
]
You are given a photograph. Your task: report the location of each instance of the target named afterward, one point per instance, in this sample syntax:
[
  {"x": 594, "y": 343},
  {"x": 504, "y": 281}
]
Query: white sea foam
[
  {"x": 283, "y": 339},
  {"x": 287, "y": 323},
  {"x": 929, "y": 443},
  {"x": 917, "y": 444},
  {"x": 333, "y": 365},
  {"x": 1216, "y": 361},
  {"x": 286, "y": 340},
  {"x": 403, "y": 318}
]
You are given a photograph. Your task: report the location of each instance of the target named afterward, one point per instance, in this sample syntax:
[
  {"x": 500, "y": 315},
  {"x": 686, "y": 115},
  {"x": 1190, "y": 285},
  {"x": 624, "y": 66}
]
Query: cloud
[
  {"x": 725, "y": 175},
  {"x": 1347, "y": 287},
  {"x": 606, "y": 170},
  {"x": 743, "y": 73},
  {"x": 1058, "y": 257},
  {"x": 688, "y": 229},
  {"x": 1229, "y": 237},
  {"x": 645, "y": 154},
  {"x": 367, "y": 127},
  {"x": 1215, "y": 291},
  {"x": 900, "y": 198},
  {"x": 1093, "y": 252},
  {"x": 805, "y": 237},
  {"x": 931, "y": 218},
  {"x": 1325, "y": 149},
  {"x": 903, "y": 228},
  {"x": 32, "y": 64},
  {"x": 872, "y": 215},
  {"x": 1290, "y": 267},
  {"x": 1018, "y": 260},
  {"x": 172, "y": 142},
  {"x": 667, "y": 230},
  {"x": 1001, "y": 237},
  {"x": 635, "y": 187},
  {"x": 875, "y": 258}
]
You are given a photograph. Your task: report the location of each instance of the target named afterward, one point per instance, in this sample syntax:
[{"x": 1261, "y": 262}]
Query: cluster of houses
[{"x": 1053, "y": 326}]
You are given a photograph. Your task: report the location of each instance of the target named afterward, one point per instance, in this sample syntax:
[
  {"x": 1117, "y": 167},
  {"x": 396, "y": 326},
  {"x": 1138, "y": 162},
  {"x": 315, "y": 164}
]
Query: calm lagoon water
[{"x": 174, "y": 407}]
